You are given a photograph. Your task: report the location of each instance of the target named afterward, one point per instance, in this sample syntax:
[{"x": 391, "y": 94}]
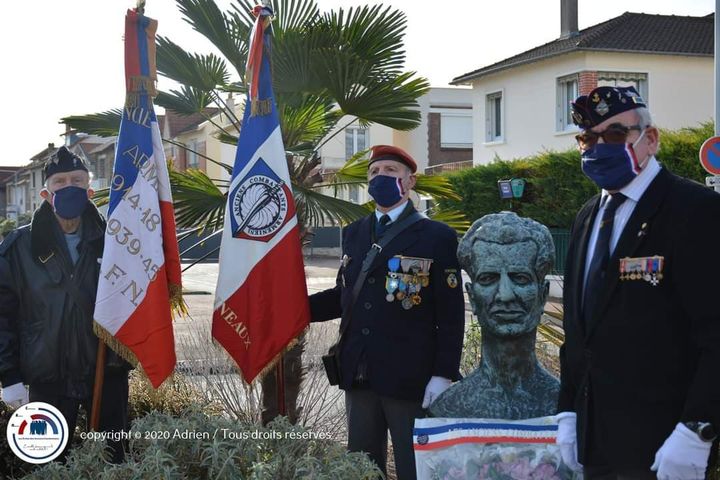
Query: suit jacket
[
  {"x": 403, "y": 348},
  {"x": 650, "y": 354}
]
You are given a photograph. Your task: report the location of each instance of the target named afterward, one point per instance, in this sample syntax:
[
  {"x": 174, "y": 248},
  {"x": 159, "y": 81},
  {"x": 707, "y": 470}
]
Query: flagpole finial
[{"x": 140, "y": 9}]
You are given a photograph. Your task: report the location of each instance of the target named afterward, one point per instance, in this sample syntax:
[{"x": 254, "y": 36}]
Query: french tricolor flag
[
  {"x": 261, "y": 300},
  {"x": 140, "y": 270}
]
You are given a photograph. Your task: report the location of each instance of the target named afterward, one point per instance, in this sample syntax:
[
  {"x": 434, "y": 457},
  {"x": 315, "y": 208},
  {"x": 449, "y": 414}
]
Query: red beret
[{"x": 388, "y": 152}]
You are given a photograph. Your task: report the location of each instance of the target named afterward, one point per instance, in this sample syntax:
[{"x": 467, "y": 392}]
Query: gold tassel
[
  {"x": 114, "y": 344},
  {"x": 260, "y": 107},
  {"x": 177, "y": 303}
]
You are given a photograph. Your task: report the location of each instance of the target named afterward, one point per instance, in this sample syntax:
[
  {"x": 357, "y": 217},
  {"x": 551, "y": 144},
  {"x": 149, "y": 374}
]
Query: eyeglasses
[{"x": 615, "y": 134}]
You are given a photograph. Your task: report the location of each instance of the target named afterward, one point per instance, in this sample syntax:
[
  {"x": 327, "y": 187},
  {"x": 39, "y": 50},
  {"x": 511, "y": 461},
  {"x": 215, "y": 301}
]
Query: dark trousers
[
  {"x": 113, "y": 410},
  {"x": 370, "y": 416}
]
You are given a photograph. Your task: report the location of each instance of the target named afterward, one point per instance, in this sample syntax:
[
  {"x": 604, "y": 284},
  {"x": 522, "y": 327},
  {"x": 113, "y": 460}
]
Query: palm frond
[
  {"x": 390, "y": 101},
  {"x": 198, "y": 201},
  {"x": 224, "y": 31},
  {"x": 227, "y": 138},
  {"x": 315, "y": 208},
  {"x": 307, "y": 122},
  {"x": 354, "y": 172},
  {"x": 373, "y": 33},
  {"x": 101, "y": 197},
  {"x": 187, "y": 101},
  {"x": 453, "y": 218},
  {"x": 105, "y": 124},
  {"x": 438, "y": 187},
  {"x": 203, "y": 72}
]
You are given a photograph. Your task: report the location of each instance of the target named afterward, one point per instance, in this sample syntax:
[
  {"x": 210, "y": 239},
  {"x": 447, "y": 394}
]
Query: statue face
[{"x": 505, "y": 294}]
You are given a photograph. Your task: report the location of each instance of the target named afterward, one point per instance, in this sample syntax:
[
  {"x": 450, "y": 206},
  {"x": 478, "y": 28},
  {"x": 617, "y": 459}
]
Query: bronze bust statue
[{"x": 507, "y": 258}]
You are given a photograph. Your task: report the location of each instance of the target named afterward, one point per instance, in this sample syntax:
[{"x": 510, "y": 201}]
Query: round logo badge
[
  {"x": 423, "y": 439},
  {"x": 37, "y": 432},
  {"x": 260, "y": 207}
]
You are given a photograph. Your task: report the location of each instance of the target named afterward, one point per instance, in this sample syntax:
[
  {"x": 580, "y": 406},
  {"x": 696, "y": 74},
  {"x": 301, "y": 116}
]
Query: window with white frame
[
  {"x": 567, "y": 92},
  {"x": 192, "y": 157},
  {"x": 355, "y": 141},
  {"x": 625, "y": 79},
  {"x": 456, "y": 130},
  {"x": 493, "y": 117}
]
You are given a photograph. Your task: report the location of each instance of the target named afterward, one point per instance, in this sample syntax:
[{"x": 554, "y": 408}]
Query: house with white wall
[{"x": 521, "y": 105}]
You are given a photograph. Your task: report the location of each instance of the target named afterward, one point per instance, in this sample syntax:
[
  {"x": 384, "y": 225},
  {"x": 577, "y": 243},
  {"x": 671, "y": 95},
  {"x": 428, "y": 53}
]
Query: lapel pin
[{"x": 642, "y": 230}]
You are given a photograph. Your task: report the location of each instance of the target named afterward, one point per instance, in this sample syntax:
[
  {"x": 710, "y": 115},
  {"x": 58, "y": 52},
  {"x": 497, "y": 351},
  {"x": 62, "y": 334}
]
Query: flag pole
[
  {"x": 98, "y": 387},
  {"x": 280, "y": 378}
]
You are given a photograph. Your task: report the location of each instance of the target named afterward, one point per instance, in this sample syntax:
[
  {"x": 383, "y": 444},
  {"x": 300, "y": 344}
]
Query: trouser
[
  {"x": 113, "y": 410},
  {"x": 370, "y": 416}
]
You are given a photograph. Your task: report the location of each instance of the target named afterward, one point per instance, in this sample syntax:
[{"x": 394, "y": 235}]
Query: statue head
[{"x": 507, "y": 258}]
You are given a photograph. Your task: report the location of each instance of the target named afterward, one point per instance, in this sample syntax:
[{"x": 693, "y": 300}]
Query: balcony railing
[{"x": 448, "y": 167}]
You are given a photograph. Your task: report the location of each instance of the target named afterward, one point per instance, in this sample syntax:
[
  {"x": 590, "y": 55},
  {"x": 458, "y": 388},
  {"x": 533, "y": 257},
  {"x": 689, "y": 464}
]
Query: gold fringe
[
  {"x": 260, "y": 107},
  {"x": 178, "y": 307},
  {"x": 270, "y": 365},
  {"x": 114, "y": 345},
  {"x": 142, "y": 84},
  {"x": 268, "y": 368}
]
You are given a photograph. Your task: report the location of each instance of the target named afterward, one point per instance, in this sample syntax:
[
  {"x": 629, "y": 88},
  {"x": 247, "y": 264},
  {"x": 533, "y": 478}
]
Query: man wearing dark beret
[
  {"x": 403, "y": 332},
  {"x": 639, "y": 396},
  {"x": 48, "y": 279}
]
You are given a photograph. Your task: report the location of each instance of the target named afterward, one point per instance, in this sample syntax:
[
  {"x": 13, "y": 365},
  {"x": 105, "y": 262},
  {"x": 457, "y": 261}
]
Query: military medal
[
  {"x": 649, "y": 269},
  {"x": 407, "y": 303}
]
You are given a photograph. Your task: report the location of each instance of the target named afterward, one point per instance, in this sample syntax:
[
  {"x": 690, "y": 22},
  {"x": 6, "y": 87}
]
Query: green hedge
[{"x": 556, "y": 187}]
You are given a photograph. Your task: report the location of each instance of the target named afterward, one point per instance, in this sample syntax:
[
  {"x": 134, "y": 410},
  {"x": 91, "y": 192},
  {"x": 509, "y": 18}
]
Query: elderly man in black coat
[
  {"x": 405, "y": 330},
  {"x": 639, "y": 383}
]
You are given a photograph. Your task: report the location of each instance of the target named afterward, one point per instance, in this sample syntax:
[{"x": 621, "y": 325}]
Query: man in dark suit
[
  {"x": 639, "y": 381},
  {"x": 403, "y": 341}
]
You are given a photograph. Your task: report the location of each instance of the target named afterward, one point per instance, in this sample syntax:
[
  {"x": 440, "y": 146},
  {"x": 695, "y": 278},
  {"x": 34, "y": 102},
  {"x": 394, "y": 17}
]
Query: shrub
[
  {"x": 556, "y": 187},
  {"x": 278, "y": 451}
]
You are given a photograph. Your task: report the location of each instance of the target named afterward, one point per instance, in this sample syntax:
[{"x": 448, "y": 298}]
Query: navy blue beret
[
  {"x": 602, "y": 103},
  {"x": 63, "y": 160}
]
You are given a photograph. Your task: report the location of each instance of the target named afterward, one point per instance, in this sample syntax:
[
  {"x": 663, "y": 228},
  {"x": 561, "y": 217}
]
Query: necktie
[
  {"x": 382, "y": 225},
  {"x": 601, "y": 255}
]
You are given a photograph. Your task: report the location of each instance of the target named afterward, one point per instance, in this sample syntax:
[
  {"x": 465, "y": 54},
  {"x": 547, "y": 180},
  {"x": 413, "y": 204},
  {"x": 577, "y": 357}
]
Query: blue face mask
[
  {"x": 386, "y": 190},
  {"x": 611, "y": 166},
  {"x": 70, "y": 202}
]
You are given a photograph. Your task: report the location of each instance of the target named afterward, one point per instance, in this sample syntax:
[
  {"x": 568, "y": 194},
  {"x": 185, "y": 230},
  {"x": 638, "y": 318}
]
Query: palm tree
[{"x": 328, "y": 69}]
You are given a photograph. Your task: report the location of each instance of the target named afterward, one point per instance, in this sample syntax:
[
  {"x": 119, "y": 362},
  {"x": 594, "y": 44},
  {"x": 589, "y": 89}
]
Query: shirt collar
[
  {"x": 394, "y": 213},
  {"x": 636, "y": 188}
]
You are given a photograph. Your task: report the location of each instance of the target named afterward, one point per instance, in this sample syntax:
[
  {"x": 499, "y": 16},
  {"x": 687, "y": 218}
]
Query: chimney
[{"x": 568, "y": 18}]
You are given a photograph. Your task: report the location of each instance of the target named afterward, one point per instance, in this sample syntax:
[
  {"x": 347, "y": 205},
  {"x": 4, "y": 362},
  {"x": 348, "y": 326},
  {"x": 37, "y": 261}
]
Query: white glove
[
  {"x": 435, "y": 387},
  {"x": 15, "y": 395},
  {"x": 683, "y": 456},
  {"x": 567, "y": 439}
]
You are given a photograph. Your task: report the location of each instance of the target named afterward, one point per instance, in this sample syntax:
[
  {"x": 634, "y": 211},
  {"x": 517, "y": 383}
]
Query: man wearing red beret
[{"x": 402, "y": 314}]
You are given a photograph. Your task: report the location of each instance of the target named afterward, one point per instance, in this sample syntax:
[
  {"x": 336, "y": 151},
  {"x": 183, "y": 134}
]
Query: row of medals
[{"x": 415, "y": 276}]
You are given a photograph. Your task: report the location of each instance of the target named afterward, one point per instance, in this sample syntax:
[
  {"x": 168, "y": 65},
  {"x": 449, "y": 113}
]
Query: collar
[
  {"x": 46, "y": 232},
  {"x": 636, "y": 188},
  {"x": 394, "y": 213}
]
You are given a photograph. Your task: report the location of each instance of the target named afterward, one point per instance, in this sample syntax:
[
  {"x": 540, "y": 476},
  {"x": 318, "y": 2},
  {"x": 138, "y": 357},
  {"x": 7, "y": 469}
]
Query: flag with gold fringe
[
  {"x": 140, "y": 271},
  {"x": 261, "y": 303}
]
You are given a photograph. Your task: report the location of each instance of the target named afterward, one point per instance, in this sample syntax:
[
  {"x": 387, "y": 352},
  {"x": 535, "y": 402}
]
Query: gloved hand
[
  {"x": 15, "y": 395},
  {"x": 567, "y": 439},
  {"x": 435, "y": 387},
  {"x": 683, "y": 456}
]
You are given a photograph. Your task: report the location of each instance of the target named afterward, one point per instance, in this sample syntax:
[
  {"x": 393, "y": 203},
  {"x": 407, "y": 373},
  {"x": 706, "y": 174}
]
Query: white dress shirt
[{"x": 393, "y": 214}]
